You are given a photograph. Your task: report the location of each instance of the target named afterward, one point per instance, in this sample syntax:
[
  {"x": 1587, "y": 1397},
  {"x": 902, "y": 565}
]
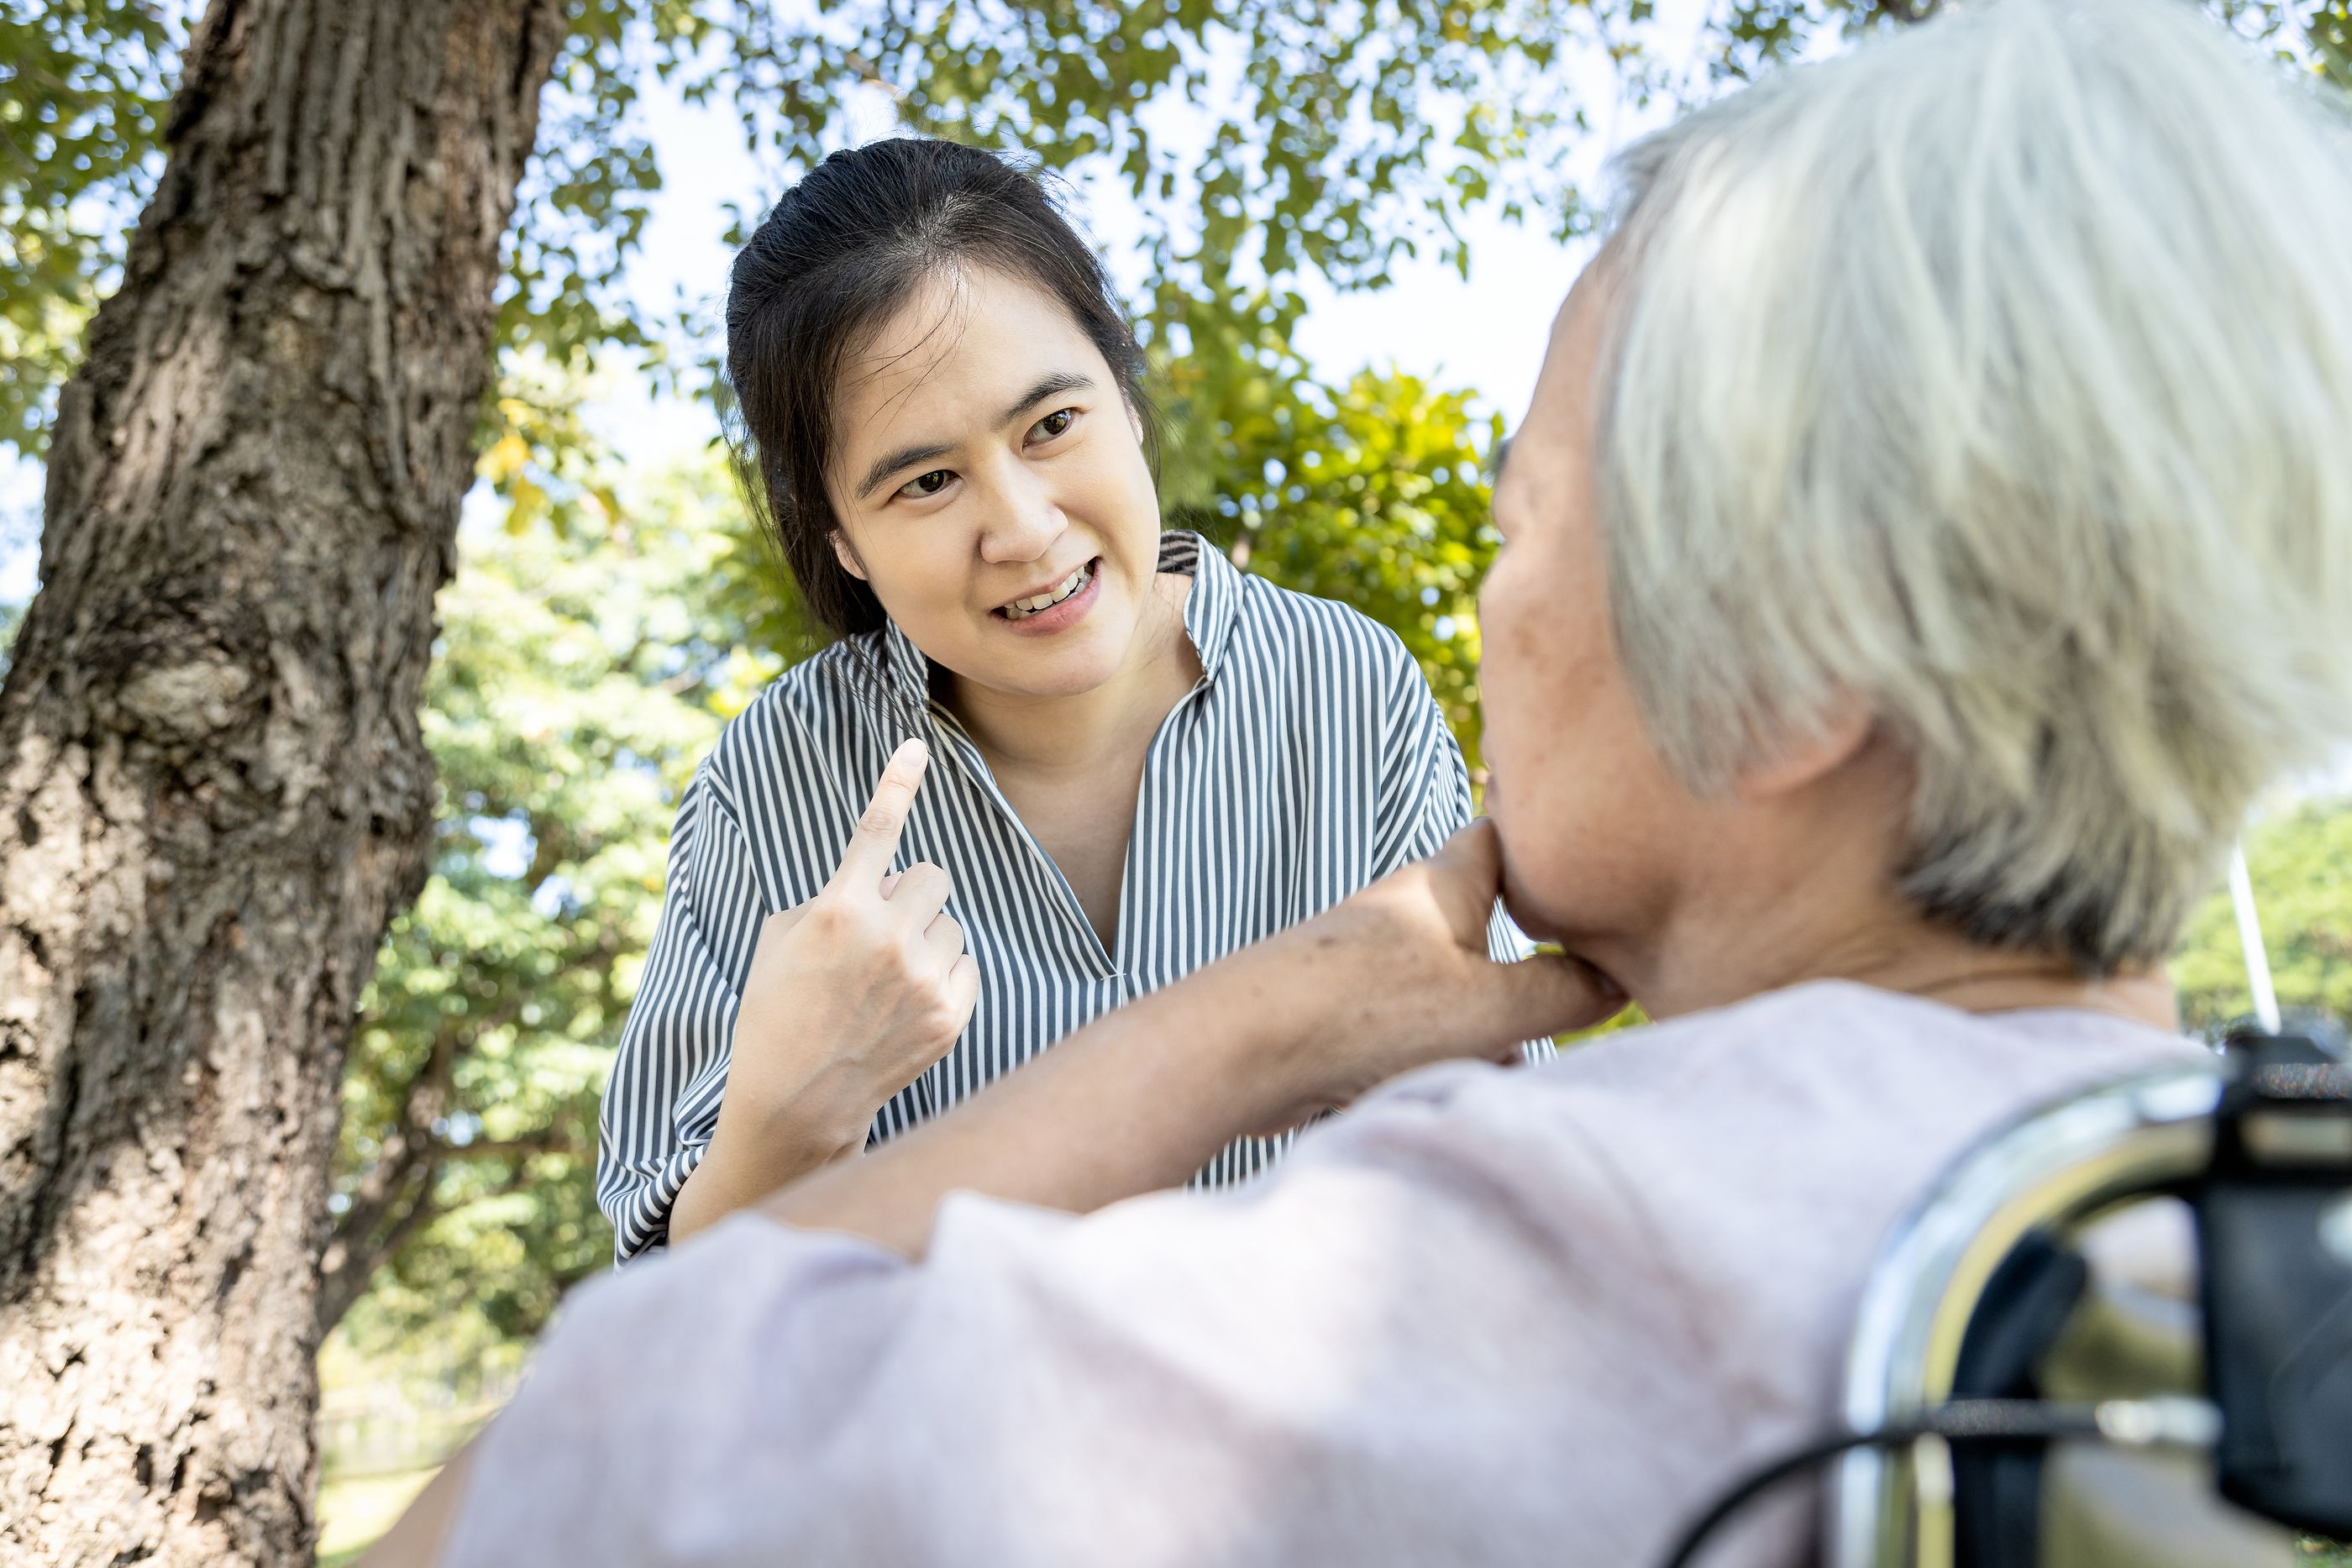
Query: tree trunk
[{"x": 214, "y": 794}]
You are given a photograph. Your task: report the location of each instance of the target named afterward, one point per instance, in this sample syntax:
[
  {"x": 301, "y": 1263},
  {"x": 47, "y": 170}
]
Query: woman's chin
[
  {"x": 1049, "y": 675},
  {"x": 1068, "y": 663}
]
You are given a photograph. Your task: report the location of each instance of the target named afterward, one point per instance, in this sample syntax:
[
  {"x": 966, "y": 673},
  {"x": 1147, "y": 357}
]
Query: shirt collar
[
  {"x": 1214, "y": 604},
  {"x": 1210, "y": 611},
  {"x": 905, "y": 667}
]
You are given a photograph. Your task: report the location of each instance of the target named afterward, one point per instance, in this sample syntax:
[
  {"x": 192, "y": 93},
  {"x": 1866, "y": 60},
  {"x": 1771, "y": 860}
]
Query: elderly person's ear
[{"x": 1841, "y": 737}]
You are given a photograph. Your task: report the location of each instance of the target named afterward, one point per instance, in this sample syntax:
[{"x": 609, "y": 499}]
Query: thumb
[
  {"x": 1550, "y": 994},
  {"x": 1473, "y": 849},
  {"x": 1466, "y": 876}
]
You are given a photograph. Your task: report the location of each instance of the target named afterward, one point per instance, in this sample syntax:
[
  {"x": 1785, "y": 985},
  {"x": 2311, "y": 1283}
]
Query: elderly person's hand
[{"x": 1399, "y": 976}]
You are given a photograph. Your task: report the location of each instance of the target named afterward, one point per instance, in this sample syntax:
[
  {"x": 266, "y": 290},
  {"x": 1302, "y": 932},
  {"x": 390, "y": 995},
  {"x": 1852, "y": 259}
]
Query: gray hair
[{"x": 1997, "y": 377}]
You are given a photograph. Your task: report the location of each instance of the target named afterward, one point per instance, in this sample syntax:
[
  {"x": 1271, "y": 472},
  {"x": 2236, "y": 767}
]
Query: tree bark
[{"x": 214, "y": 794}]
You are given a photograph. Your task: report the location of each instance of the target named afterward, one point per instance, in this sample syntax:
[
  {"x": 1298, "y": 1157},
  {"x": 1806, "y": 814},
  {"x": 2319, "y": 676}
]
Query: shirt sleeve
[
  {"x": 1424, "y": 785},
  {"x": 1329, "y": 1364},
  {"x": 662, "y": 1101},
  {"x": 1425, "y": 800}
]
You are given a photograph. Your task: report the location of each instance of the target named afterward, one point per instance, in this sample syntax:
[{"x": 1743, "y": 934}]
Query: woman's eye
[
  {"x": 929, "y": 484},
  {"x": 1053, "y": 424}
]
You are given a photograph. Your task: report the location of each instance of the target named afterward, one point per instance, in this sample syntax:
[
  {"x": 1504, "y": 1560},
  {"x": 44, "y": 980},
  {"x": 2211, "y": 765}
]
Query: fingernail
[{"x": 912, "y": 745}]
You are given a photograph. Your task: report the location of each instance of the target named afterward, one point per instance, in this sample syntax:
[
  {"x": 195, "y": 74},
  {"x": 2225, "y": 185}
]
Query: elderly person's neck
[{"x": 1795, "y": 881}]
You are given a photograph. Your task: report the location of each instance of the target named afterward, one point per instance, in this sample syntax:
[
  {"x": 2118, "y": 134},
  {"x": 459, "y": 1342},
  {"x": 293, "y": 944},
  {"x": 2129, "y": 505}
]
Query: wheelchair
[{"x": 2117, "y": 1334}]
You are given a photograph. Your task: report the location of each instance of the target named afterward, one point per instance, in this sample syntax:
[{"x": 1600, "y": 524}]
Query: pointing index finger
[{"x": 875, "y": 840}]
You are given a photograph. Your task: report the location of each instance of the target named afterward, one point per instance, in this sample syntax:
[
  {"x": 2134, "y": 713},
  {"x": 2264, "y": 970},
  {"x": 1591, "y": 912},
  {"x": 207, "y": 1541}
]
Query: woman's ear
[{"x": 847, "y": 557}]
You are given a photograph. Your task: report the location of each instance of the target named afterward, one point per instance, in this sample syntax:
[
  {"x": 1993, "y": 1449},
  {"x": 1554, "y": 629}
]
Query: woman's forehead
[{"x": 965, "y": 341}]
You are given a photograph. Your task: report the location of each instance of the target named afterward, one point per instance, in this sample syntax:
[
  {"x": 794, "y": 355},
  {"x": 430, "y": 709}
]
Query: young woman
[{"x": 1125, "y": 759}]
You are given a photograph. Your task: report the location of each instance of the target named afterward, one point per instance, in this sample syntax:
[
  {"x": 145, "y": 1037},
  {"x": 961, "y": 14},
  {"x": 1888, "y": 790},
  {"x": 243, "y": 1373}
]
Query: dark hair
[{"x": 830, "y": 262}]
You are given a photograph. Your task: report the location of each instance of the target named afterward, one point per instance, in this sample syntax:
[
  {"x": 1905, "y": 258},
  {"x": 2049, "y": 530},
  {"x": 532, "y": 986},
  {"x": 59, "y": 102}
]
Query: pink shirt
[{"x": 1494, "y": 1316}]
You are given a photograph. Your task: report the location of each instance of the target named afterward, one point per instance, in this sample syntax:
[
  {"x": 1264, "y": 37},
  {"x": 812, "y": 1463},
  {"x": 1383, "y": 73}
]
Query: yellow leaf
[
  {"x": 525, "y": 502},
  {"x": 506, "y": 458}
]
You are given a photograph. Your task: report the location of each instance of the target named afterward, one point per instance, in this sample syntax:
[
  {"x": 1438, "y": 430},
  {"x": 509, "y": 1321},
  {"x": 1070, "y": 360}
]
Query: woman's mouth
[{"x": 1042, "y": 606}]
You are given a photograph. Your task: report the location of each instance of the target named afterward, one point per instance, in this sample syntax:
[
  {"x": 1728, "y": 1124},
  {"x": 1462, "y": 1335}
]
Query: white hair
[{"x": 1998, "y": 377}]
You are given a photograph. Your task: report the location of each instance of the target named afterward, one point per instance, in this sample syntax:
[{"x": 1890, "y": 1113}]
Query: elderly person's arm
[
  {"x": 1394, "y": 979},
  {"x": 417, "y": 1536}
]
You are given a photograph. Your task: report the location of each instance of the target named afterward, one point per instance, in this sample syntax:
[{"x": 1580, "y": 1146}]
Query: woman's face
[
  {"x": 1593, "y": 823},
  {"x": 991, "y": 486}
]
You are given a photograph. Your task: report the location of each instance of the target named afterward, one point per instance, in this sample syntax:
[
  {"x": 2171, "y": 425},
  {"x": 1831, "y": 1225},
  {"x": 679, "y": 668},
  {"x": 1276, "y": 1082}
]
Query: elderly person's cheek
[{"x": 1523, "y": 717}]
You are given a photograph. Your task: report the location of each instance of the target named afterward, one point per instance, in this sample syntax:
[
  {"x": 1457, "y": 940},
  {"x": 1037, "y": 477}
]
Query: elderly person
[{"x": 1933, "y": 526}]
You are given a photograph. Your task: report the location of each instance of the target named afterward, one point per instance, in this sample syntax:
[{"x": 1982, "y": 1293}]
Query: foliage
[
  {"x": 1373, "y": 494},
  {"x": 81, "y": 106},
  {"x": 1338, "y": 135},
  {"x": 2300, "y": 862},
  {"x": 1758, "y": 34}
]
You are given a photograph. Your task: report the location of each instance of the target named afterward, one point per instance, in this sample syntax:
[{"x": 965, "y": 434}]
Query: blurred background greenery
[{"x": 1258, "y": 167}]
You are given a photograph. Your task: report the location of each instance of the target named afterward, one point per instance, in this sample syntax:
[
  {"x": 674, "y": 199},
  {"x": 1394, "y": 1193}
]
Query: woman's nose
[{"x": 1025, "y": 523}]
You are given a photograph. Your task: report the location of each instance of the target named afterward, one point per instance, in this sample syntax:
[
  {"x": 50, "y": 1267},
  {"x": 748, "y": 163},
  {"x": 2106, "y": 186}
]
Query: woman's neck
[{"x": 1078, "y": 733}]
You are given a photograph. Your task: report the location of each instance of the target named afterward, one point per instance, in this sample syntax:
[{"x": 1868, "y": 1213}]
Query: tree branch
[
  {"x": 350, "y": 1267},
  {"x": 391, "y": 1185},
  {"x": 551, "y": 1141},
  {"x": 423, "y": 1101}
]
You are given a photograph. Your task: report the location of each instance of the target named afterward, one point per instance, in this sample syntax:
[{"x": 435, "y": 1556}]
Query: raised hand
[{"x": 850, "y": 997}]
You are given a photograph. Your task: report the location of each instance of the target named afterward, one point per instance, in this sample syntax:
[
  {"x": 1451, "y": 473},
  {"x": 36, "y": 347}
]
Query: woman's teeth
[{"x": 1021, "y": 609}]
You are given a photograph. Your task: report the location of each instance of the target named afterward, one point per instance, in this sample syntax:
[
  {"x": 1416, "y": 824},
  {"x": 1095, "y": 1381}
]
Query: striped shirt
[{"x": 1309, "y": 760}]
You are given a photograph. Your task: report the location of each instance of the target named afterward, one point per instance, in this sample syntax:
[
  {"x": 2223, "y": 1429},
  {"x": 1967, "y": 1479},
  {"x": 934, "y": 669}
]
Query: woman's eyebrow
[
  {"x": 1047, "y": 386},
  {"x": 889, "y": 463}
]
